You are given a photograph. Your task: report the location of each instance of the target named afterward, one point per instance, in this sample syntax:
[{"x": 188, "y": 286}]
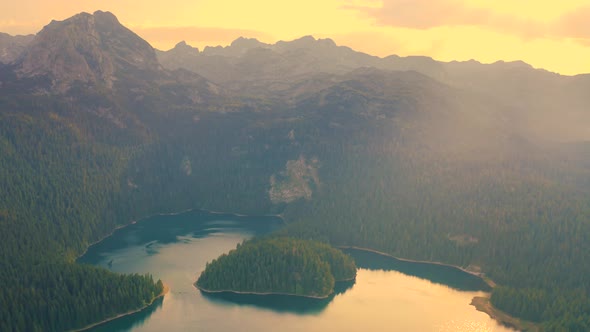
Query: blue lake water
[{"x": 388, "y": 295}]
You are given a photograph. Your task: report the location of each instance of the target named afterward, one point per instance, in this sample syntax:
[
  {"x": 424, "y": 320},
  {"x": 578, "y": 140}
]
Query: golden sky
[{"x": 554, "y": 35}]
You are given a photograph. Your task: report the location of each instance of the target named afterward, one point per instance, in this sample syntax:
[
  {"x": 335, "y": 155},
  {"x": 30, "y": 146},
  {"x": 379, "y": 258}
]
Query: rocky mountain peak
[
  {"x": 184, "y": 47},
  {"x": 236, "y": 49},
  {"x": 308, "y": 43},
  {"x": 88, "y": 48},
  {"x": 303, "y": 42},
  {"x": 247, "y": 43},
  {"x": 106, "y": 18}
]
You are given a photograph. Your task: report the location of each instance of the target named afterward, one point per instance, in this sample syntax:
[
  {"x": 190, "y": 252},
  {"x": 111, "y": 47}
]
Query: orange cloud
[
  {"x": 575, "y": 24},
  {"x": 424, "y": 14},
  {"x": 428, "y": 14}
]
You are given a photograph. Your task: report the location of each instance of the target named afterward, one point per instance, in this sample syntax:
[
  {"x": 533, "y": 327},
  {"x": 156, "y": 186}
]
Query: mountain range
[
  {"x": 484, "y": 166},
  {"x": 82, "y": 49}
]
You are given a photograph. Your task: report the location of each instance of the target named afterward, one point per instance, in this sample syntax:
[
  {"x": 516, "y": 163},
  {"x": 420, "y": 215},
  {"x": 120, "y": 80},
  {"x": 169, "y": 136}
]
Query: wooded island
[{"x": 278, "y": 265}]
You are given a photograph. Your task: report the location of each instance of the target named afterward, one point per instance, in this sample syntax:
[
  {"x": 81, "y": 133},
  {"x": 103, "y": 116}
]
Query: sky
[{"x": 554, "y": 35}]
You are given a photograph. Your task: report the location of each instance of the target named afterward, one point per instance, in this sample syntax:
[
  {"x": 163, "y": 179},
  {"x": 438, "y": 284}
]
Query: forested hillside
[{"x": 59, "y": 193}]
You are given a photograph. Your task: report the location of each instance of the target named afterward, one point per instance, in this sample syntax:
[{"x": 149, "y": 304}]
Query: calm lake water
[{"x": 388, "y": 295}]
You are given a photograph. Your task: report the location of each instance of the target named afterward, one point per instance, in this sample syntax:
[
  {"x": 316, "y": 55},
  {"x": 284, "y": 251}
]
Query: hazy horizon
[{"x": 552, "y": 36}]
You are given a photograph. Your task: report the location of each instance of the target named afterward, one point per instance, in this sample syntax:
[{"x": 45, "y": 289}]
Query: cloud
[
  {"x": 423, "y": 14},
  {"x": 428, "y": 14},
  {"x": 575, "y": 24}
]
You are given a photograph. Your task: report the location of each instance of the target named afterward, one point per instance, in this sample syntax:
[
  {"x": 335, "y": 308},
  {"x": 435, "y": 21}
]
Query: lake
[{"x": 388, "y": 295}]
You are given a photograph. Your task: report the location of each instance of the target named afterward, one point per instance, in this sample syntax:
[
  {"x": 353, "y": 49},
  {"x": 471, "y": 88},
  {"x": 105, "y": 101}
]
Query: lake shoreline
[
  {"x": 166, "y": 288},
  {"x": 483, "y": 304},
  {"x": 133, "y": 222},
  {"x": 477, "y": 274},
  {"x": 480, "y": 303},
  {"x": 129, "y": 313},
  {"x": 208, "y": 291}
]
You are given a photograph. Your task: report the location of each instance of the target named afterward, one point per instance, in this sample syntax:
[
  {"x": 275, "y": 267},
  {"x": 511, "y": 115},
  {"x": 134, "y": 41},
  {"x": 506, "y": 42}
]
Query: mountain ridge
[
  {"x": 263, "y": 69},
  {"x": 89, "y": 48},
  {"x": 309, "y": 40}
]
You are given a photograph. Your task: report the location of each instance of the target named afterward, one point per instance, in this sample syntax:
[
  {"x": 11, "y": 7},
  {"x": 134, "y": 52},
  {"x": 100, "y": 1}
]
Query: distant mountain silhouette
[{"x": 11, "y": 47}]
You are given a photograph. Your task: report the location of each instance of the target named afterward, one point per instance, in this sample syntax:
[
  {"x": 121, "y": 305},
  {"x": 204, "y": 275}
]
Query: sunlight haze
[{"x": 550, "y": 35}]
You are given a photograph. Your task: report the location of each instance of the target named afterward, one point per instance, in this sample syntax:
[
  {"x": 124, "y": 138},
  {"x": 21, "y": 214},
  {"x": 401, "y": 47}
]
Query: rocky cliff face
[
  {"x": 88, "y": 49},
  {"x": 11, "y": 47}
]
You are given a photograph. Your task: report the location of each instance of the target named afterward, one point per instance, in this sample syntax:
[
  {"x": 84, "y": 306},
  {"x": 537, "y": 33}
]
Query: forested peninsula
[{"x": 278, "y": 265}]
